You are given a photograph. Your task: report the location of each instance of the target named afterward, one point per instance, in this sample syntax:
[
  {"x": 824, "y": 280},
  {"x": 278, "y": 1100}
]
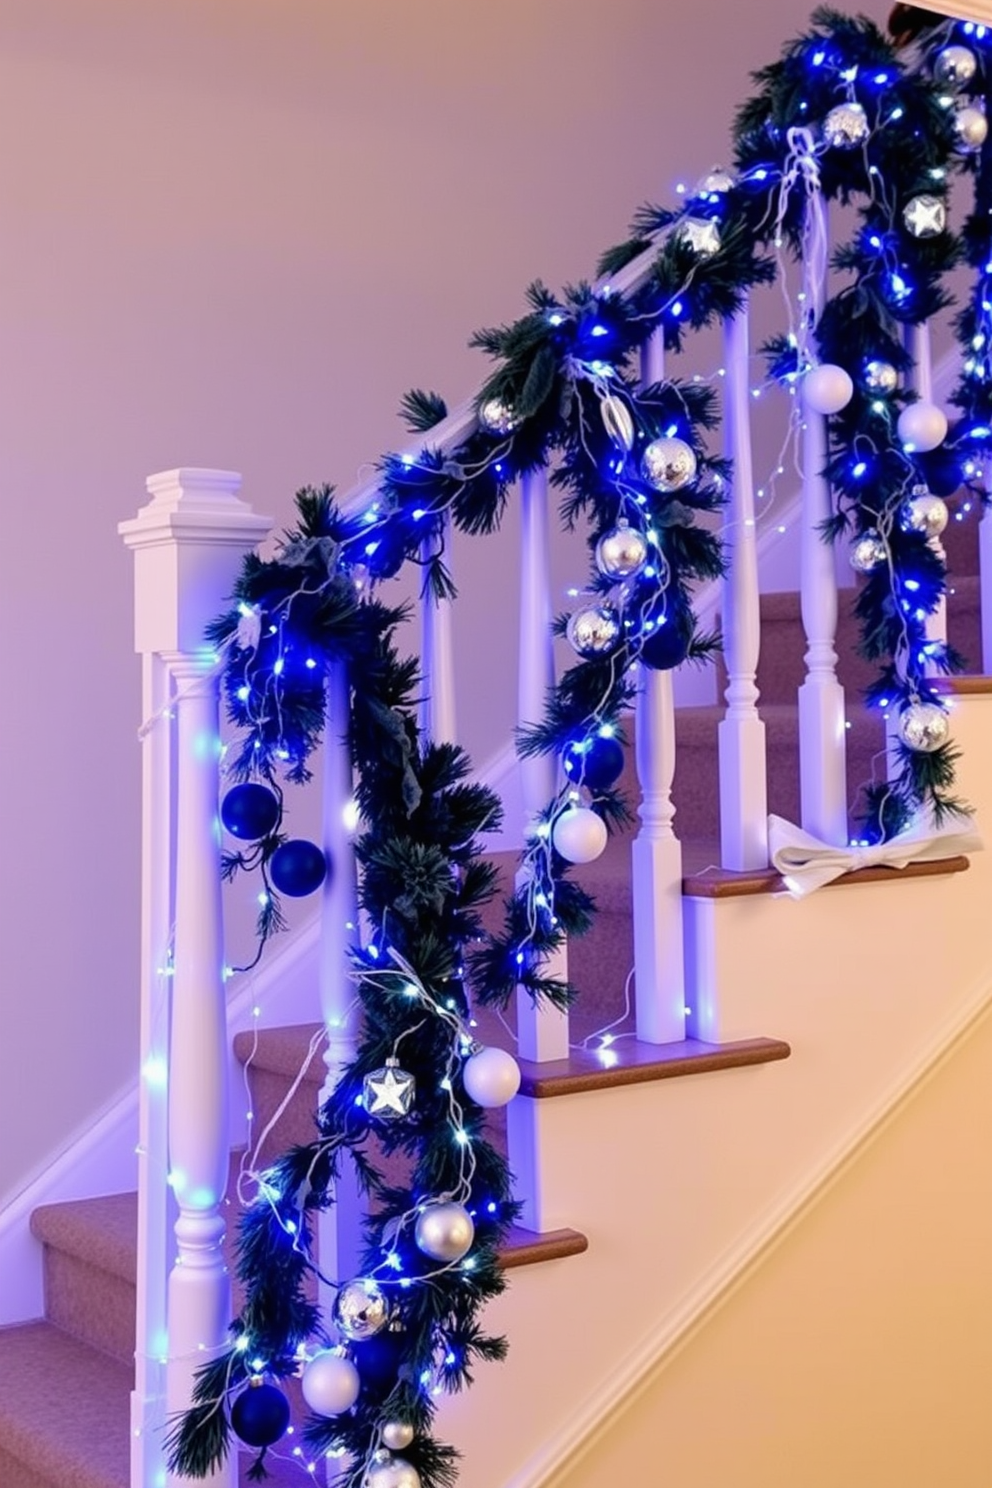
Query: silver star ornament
[
  {"x": 925, "y": 216},
  {"x": 388, "y": 1093},
  {"x": 701, "y": 235}
]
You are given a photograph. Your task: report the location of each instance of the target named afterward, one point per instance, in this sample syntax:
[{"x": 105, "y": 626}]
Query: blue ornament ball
[
  {"x": 250, "y": 811},
  {"x": 260, "y": 1415},
  {"x": 297, "y": 867},
  {"x": 596, "y": 763},
  {"x": 667, "y": 645}
]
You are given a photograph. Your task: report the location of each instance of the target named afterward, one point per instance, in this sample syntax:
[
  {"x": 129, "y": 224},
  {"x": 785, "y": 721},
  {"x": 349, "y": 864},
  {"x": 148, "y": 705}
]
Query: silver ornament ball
[
  {"x": 330, "y": 1383},
  {"x": 444, "y": 1231},
  {"x": 622, "y": 552},
  {"x": 497, "y": 417},
  {"x": 387, "y": 1471},
  {"x": 715, "y": 183},
  {"x": 922, "y": 426},
  {"x": 594, "y": 631},
  {"x": 491, "y": 1077},
  {"x": 360, "y": 1310},
  {"x": 880, "y": 377},
  {"x": 923, "y": 727},
  {"x": 970, "y": 128},
  {"x": 617, "y": 421},
  {"x": 846, "y": 127},
  {"x": 827, "y": 388},
  {"x": 955, "y": 66},
  {"x": 867, "y": 552},
  {"x": 398, "y": 1435},
  {"x": 579, "y": 835},
  {"x": 924, "y": 216},
  {"x": 668, "y": 464},
  {"x": 700, "y": 234},
  {"x": 925, "y": 513}
]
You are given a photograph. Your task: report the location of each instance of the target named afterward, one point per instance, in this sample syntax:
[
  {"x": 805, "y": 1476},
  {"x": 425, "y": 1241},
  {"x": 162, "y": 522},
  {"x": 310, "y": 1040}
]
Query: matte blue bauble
[
  {"x": 596, "y": 763},
  {"x": 250, "y": 811},
  {"x": 297, "y": 867},
  {"x": 668, "y": 644},
  {"x": 260, "y": 1415}
]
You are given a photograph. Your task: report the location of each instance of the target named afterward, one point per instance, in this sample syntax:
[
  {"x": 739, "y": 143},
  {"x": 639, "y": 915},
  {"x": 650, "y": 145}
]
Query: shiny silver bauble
[
  {"x": 955, "y": 66},
  {"x": 617, "y": 420},
  {"x": 497, "y": 417},
  {"x": 621, "y": 553},
  {"x": 867, "y": 552},
  {"x": 594, "y": 631},
  {"x": 444, "y": 1231},
  {"x": 923, "y": 727},
  {"x": 668, "y": 464},
  {"x": 360, "y": 1310},
  {"x": 971, "y": 128},
  {"x": 387, "y": 1471},
  {"x": 925, "y": 513},
  {"x": 880, "y": 377},
  {"x": 845, "y": 127},
  {"x": 397, "y": 1435}
]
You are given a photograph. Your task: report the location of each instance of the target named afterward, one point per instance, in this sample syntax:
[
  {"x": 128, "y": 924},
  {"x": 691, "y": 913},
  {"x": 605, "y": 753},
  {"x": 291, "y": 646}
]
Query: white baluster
[
  {"x": 822, "y": 735},
  {"x": 917, "y": 338},
  {"x": 188, "y": 543},
  {"x": 743, "y": 774},
  {"x": 339, "y": 1227},
  {"x": 437, "y": 713},
  {"x": 542, "y": 1030},
  {"x": 656, "y": 851},
  {"x": 985, "y": 570}
]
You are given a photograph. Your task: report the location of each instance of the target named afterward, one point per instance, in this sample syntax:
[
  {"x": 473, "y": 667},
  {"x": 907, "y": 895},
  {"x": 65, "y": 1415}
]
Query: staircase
[{"x": 64, "y": 1414}]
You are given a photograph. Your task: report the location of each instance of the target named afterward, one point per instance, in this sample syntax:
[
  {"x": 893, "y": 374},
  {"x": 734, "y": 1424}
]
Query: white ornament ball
[
  {"x": 398, "y": 1435},
  {"x": 846, "y": 127},
  {"x": 867, "y": 552},
  {"x": 927, "y": 514},
  {"x": 594, "y": 631},
  {"x": 579, "y": 834},
  {"x": 923, "y": 727},
  {"x": 955, "y": 66},
  {"x": 387, "y": 1471},
  {"x": 827, "y": 389},
  {"x": 971, "y": 128},
  {"x": 668, "y": 464},
  {"x": 497, "y": 417},
  {"x": 622, "y": 553},
  {"x": 444, "y": 1231},
  {"x": 617, "y": 420},
  {"x": 922, "y": 426},
  {"x": 492, "y": 1077},
  {"x": 881, "y": 377},
  {"x": 330, "y": 1383}
]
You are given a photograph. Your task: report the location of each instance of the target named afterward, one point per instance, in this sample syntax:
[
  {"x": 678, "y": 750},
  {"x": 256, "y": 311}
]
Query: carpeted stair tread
[
  {"x": 102, "y": 1231},
  {"x": 64, "y": 1409}
]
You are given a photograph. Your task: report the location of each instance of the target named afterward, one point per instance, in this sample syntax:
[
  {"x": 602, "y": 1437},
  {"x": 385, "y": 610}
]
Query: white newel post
[
  {"x": 339, "y": 1227},
  {"x": 188, "y": 544},
  {"x": 917, "y": 339},
  {"x": 743, "y": 769},
  {"x": 543, "y": 1030},
  {"x": 437, "y": 710},
  {"x": 659, "y": 973},
  {"x": 822, "y": 734}
]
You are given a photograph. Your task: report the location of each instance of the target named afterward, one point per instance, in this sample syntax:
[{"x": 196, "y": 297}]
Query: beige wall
[
  {"x": 232, "y": 233},
  {"x": 859, "y": 1355}
]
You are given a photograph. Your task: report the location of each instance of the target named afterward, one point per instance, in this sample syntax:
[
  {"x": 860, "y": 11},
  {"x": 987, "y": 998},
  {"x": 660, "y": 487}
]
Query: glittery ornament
[
  {"x": 387, "y": 1471},
  {"x": 497, "y": 417},
  {"x": 955, "y": 66},
  {"x": 715, "y": 183},
  {"x": 622, "y": 552},
  {"x": 617, "y": 420},
  {"x": 579, "y": 835},
  {"x": 880, "y": 377},
  {"x": 360, "y": 1310},
  {"x": 845, "y": 127},
  {"x": 970, "y": 128},
  {"x": 397, "y": 1435},
  {"x": 925, "y": 513},
  {"x": 594, "y": 631},
  {"x": 925, "y": 216},
  {"x": 444, "y": 1231},
  {"x": 701, "y": 235},
  {"x": 668, "y": 464},
  {"x": 867, "y": 552},
  {"x": 388, "y": 1093},
  {"x": 923, "y": 727}
]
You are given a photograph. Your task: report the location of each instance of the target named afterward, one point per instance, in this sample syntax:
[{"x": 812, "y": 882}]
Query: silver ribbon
[{"x": 806, "y": 863}]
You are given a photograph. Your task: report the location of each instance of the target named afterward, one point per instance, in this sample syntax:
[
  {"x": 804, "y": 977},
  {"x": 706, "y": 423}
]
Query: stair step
[
  {"x": 630, "y": 1062},
  {"x": 90, "y": 1265},
  {"x": 721, "y": 883}
]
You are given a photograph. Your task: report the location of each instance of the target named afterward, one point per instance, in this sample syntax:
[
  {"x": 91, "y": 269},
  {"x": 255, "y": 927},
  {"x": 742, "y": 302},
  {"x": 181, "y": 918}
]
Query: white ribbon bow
[{"x": 806, "y": 863}]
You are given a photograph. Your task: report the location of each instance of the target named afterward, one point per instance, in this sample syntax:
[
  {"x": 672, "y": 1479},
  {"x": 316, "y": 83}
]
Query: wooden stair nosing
[
  {"x": 636, "y": 1063},
  {"x": 723, "y": 883},
  {"x": 527, "y": 1247}
]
